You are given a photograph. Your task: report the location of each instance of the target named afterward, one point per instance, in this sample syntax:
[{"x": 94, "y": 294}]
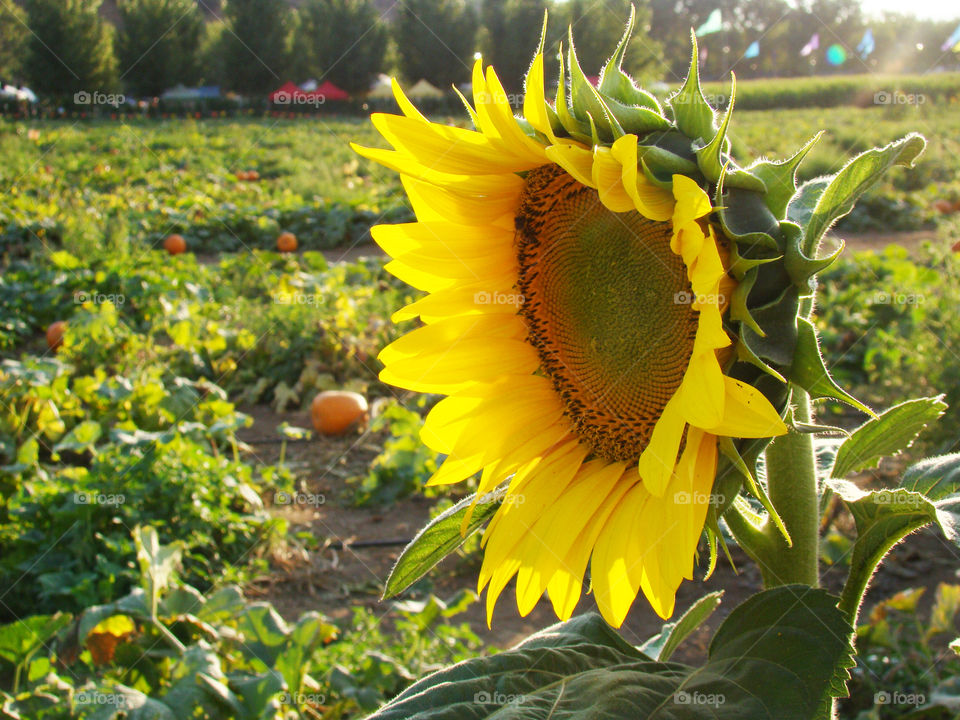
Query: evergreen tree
[
  {"x": 255, "y": 45},
  {"x": 158, "y": 44},
  {"x": 70, "y": 48},
  {"x": 343, "y": 41},
  {"x": 13, "y": 42},
  {"x": 510, "y": 33},
  {"x": 435, "y": 40}
]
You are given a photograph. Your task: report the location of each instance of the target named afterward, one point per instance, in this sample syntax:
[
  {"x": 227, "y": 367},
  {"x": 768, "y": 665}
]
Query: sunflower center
[{"x": 607, "y": 304}]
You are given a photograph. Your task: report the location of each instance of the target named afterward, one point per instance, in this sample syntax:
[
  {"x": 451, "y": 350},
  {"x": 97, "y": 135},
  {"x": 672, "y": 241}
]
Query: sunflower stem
[{"x": 792, "y": 486}]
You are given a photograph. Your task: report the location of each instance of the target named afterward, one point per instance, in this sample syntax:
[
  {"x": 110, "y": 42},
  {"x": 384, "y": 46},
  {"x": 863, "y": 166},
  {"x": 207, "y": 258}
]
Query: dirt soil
[{"x": 333, "y": 577}]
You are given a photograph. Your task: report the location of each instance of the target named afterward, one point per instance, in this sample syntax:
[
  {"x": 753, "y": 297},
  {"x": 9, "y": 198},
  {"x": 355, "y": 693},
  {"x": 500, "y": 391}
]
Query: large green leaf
[
  {"x": 857, "y": 176},
  {"x": 440, "y": 537},
  {"x": 929, "y": 493},
  {"x": 661, "y": 646},
  {"x": 21, "y": 638},
  {"x": 887, "y": 434},
  {"x": 779, "y": 655},
  {"x": 157, "y": 563}
]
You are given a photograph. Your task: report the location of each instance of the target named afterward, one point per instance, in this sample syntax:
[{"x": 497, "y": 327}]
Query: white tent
[{"x": 423, "y": 90}]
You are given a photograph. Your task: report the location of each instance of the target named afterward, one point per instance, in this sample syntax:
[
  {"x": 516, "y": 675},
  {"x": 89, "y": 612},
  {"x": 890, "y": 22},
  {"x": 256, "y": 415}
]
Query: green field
[{"x": 134, "y": 421}]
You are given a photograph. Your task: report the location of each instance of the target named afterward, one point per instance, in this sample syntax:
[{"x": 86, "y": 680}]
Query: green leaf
[
  {"x": 20, "y": 639},
  {"x": 122, "y": 702},
  {"x": 883, "y": 518},
  {"x": 82, "y": 437},
  {"x": 264, "y": 632},
  {"x": 662, "y": 645},
  {"x": 440, "y": 537},
  {"x": 157, "y": 563},
  {"x": 888, "y": 434},
  {"x": 858, "y": 176},
  {"x": 311, "y": 631},
  {"x": 779, "y": 655}
]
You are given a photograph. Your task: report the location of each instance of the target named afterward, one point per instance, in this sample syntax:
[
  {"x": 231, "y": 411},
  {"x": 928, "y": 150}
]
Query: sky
[{"x": 929, "y": 9}]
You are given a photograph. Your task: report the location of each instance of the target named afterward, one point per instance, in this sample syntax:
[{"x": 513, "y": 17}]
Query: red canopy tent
[
  {"x": 285, "y": 93},
  {"x": 329, "y": 91}
]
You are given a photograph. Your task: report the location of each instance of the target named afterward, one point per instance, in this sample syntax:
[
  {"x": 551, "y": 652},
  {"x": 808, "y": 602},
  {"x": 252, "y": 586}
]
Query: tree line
[{"x": 60, "y": 47}]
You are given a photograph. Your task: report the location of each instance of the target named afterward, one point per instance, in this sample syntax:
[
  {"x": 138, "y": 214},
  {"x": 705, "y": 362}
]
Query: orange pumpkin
[
  {"x": 253, "y": 175},
  {"x": 175, "y": 244},
  {"x": 55, "y": 334},
  {"x": 287, "y": 242},
  {"x": 335, "y": 412},
  {"x": 943, "y": 206}
]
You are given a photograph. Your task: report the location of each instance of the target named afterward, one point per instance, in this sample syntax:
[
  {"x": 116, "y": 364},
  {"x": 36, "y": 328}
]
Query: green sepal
[
  {"x": 778, "y": 321},
  {"x": 691, "y": 111},
  {"x": 856, "y": 177},
  {"x": 739, "y": 312},
  {"x": 569, "y": 124},
  {"x": 663, "y": 182},
  {"x": 587, "y": 102},
  {"x": 635, "y": 119},
  {"x": 747, "y": 355},
  {"x": 618, "y": 86},
  {"x": 745, "y": 218},
  {"x": 741, "y": 266},
  {"x": 809, "y": 371},
  {"x": 781, "y": 177},
  {"x": 710, "y": 156},
  {"x": 729, "y": 450},
  {"x": 664, "y": 162},
  {"x": 800, "y": 267}
]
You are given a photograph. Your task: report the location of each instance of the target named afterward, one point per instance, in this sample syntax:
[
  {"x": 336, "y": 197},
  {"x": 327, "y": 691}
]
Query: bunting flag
[
  {"x": 836, "y": 55},
  {"x": 713, "y": 24},
  {"x": 867, "y": 45},
  {"x": 752, "y": 51},
  {"x": 812, "y": 45},
  {"x": 952, "y": 41}
]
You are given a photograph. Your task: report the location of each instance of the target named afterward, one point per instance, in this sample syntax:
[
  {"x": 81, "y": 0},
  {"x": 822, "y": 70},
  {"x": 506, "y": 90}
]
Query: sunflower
[{"x": 587, "y": 314}]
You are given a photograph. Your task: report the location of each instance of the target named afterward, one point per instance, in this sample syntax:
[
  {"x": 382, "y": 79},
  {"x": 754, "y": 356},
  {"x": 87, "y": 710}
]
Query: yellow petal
[
  {"x": 692, "y": 201},
  {"x": 534, "y": 102},
  {"x": 577, "y": 161},
  {"x": 701, "y": 395},
  {"x": 406, "y": 107},
  {"x": 660, "y": 456},
  {"x": 607, "y": 175},
  {"x": 747, "y": 413},
  {"x": 448, "y": 333},
  {"x": 514, "y": 138},
  {"x": 617, "y": 563},
  {"x": 435, "y": 203},
  {"x": 649, "y": 200}
]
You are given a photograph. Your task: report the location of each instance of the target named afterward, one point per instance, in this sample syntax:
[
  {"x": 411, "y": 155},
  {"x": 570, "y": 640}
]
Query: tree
[
  {"x": 598, "y": 26},
  {"x": 13, "y": 42},
  {"x": 151, "y": 62},
  {"x": 254, "y": 46},
  {"x": 343, "y": 41},
  {"x": 510, "y": 32},
  {"x": 70, "y": 48},
  {"x": 435, "y": 40}
]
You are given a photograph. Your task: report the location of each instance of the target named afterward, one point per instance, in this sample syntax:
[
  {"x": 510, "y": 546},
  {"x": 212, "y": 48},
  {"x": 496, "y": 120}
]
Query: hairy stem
[{"x": 792, "y": 486}]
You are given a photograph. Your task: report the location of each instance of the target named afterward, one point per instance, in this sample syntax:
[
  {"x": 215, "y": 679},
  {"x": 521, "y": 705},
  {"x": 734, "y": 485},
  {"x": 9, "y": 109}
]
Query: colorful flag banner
[
  {"x": 952, "y": 40},
  {"x": 713, "y": 24},
  {"x": 836, "y": 55},
  {"x": 752, "y": 51},
  {"x": 867, "y": 45},
  {"x": 812, "y": 45}
]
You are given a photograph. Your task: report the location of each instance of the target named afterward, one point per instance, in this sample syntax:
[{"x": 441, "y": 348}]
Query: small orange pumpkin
[
  {"x": 55, "y": 334},
  {"x": 334, "y": 412},
  {"x": 175, "y": 244},
  {"x": 287, "y": 242}
]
